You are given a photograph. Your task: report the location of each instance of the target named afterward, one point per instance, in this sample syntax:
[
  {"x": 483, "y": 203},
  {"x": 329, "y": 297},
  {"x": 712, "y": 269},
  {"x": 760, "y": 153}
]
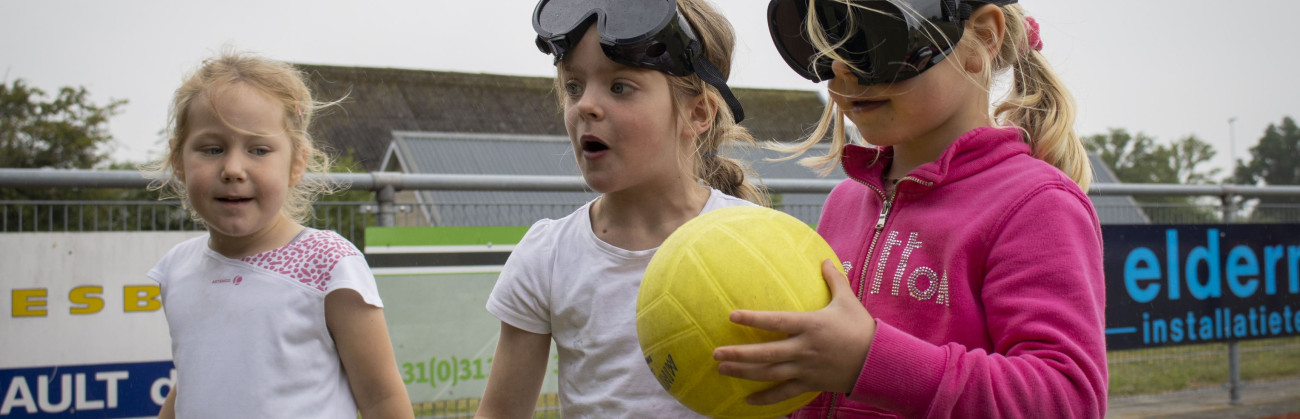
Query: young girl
[
  {"x": 973, "y": 254},
  {"x": 647, "y": 141},
  {"x": 268, "y": 318}
]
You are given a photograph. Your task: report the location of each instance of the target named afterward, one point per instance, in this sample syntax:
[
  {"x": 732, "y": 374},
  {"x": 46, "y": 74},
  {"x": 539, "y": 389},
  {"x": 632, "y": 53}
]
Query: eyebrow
[
  {"x": 203, "y": 135},
  {"x": 565, "y": 69}
]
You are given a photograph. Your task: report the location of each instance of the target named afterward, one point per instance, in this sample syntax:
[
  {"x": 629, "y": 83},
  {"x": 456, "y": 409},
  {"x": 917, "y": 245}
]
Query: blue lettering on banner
[
  {"x": 86, "y": 391},
  {"x": 1181, "y": 284}
]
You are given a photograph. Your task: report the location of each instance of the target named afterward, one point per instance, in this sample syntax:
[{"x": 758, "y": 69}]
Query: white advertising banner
[{"x": 82, "y": 331}]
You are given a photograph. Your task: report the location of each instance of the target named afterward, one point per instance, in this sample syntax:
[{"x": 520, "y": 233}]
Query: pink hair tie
[{"x": 1031, "y": 31}]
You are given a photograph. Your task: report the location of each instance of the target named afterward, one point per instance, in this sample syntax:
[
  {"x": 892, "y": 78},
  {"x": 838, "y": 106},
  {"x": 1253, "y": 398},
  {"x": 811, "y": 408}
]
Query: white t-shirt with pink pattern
[{"x": 248, "y": 335}]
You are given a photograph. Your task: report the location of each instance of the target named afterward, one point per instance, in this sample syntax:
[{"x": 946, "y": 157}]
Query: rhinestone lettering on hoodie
[{"x": 937, "y": 289}]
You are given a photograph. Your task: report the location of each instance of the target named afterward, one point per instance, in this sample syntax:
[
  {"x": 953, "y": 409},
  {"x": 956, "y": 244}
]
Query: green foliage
[
  {"x": 66, "y": 132},
  {"x": 1274, "y": 161},
  {"x": 1129, "y": 157},
  {"x": 69, "y": 131},
  {"x": 1139, "y": 159}
]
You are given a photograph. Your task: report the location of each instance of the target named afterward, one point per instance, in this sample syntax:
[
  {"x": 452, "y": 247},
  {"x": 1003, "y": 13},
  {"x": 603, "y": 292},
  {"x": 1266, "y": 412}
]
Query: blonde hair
[
  {"x": 1038, "y": 102},
  {"x": 280, "y": 82},
  {"x": 717, "y": 40}
]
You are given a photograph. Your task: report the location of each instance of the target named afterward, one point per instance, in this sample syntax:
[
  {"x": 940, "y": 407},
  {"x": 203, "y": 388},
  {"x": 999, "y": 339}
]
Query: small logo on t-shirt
[{"x": 236, "y": 280}]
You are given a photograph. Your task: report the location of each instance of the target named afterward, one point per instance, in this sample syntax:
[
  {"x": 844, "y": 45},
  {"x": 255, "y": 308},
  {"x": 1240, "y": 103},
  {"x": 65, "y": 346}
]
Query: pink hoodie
[{"x": 984, "y": 274}]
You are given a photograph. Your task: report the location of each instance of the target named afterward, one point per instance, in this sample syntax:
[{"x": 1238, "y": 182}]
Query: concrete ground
[{"x": 1275, "y": 400}]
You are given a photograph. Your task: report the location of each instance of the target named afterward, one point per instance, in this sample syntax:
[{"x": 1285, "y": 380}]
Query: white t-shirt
[
  {"x": 564, "y": 281},
  {"x": 248, "y": 335}
]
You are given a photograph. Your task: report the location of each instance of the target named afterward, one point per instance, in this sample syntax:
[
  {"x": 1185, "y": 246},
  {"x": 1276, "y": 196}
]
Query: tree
[
  {"x": 65, "y": 131},
  {"x": 68, "y": 131},
  {"x": 1131, "y": 158},
  {"x": 1274, "y": 161},
  {"x": 1139, "y": 159},
  {"x": 1183, "y": 162}
]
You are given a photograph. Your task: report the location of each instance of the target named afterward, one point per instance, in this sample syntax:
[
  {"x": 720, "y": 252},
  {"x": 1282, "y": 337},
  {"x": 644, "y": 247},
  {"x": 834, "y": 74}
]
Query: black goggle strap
[
  {"x": 704, "y": 68},
  {"x": 711, "y": 75},
  {"x": 968, "y": 6}
]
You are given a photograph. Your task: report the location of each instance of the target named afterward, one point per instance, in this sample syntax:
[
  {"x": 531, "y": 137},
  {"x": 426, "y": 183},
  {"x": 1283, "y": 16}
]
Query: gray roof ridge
[{"x": 481, "y": 136}]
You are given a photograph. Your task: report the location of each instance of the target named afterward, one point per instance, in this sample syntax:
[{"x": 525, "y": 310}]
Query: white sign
[{"x": 82, "y": 330}]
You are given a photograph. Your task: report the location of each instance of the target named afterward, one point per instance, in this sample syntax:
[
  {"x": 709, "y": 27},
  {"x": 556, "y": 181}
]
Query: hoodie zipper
[
  {"x": 871, "y": 249},
  {"x": 830, "y": 412},
  {"x": 880, "y": 226}
]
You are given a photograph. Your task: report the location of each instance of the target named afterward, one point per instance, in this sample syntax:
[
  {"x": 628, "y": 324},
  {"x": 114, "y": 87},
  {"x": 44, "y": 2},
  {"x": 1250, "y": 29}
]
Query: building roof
[
  {"x": 463, "y": 123},
  {"x": 379, "y": 101},
  {"x": 1113, "y": 209},
  {"x": 541, "y": 155}
]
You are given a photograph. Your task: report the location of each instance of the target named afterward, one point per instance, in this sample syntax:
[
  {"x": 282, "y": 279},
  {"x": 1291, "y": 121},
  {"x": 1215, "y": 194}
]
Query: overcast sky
[{"x": 1163, "y": 67}]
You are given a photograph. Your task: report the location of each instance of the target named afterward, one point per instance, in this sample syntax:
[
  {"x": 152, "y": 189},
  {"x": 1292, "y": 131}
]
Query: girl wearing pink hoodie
[{"x": 972, "y": 254}]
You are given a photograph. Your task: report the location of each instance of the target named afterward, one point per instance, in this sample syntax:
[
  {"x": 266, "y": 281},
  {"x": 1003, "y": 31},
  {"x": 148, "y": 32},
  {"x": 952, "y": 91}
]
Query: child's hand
[{"x": 825, "y": 351}]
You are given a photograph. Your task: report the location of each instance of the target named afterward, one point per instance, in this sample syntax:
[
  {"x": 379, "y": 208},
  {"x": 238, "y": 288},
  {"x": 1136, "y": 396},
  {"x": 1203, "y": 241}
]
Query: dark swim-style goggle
[
  {"x": 648, "y": 34},
  {"x": 886, "y": 40}
]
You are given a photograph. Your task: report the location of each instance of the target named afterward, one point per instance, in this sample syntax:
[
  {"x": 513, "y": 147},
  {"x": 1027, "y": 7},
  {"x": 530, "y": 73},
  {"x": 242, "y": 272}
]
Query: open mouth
[
  {"x": 593, "y": 146},
  {"x": 234, "y": 200}
]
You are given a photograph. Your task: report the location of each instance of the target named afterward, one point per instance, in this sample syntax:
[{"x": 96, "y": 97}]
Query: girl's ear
[
  {"x": 987, "y": 25},
  {"x": 297, "y": 169},
  {"x": 699, "y": 117},
  {"x": 178, "y": 167}
]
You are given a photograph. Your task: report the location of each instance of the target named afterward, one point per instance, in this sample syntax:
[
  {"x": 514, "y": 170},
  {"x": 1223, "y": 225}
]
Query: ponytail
[
  {"x": 728, "y": 175},
  {"x": 1038, "y": 102},
  {"x": 724, "y": 174}
]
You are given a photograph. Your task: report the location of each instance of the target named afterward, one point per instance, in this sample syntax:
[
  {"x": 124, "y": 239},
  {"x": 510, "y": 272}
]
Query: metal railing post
[
  {"x": 387, "y": 210},
  {"x": 385, "y": 185},
  {"x": 1234, "y": 347}
]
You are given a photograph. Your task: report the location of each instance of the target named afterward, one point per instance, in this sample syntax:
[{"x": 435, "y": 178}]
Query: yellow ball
[{"x": 732, "y": 258}]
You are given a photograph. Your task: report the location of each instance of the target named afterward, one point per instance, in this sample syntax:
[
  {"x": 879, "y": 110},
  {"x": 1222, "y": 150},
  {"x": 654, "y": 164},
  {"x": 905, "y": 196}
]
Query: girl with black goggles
[
  {"x": 645, "y": 133},
  {"x": 975, "y": 285}
]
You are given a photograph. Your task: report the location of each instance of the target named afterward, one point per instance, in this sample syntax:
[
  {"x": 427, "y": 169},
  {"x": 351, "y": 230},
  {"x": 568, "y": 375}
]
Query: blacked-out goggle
[
  {"x": 648, "y": 34},
  {"x": 885, "y": 40}
]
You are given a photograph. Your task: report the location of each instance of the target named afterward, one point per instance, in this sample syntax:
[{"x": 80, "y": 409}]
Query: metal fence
[{"x": 1213, "y": 367}]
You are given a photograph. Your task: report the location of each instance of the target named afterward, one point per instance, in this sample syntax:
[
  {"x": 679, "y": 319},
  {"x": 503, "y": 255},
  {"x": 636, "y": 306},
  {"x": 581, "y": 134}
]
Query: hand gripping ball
[{"x": 732, "y": 258}]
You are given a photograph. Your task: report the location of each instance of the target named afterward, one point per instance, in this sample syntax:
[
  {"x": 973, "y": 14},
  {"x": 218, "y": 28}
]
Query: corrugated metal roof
[
  {"x": 496, "y": 154},
  {"x": 514, "y": 154}
]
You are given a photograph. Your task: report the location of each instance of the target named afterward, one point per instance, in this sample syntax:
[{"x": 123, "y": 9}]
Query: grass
[
  {"x": 1132, "y": 372},
  {"x": 548, "y": 406},
  {"x": 1162, "y": 370}
]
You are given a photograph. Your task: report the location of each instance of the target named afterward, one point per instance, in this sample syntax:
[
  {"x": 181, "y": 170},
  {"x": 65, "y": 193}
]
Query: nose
[
  {"x": 588, "y": 106},
  {"x": 232, "y": 169},
  {"x": 842, "y": 70}
]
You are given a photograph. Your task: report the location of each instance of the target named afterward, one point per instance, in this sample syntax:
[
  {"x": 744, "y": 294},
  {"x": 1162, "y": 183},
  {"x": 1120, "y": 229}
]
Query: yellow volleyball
[{"x": 732, "y": 258}]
